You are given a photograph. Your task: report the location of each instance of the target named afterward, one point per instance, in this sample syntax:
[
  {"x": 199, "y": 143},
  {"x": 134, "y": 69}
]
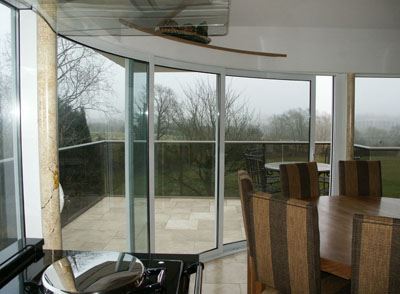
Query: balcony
[{"x": 93, "y": 179}]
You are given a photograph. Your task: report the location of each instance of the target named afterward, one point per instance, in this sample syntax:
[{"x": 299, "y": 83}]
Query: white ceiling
[{"x": 371, "y": 14}]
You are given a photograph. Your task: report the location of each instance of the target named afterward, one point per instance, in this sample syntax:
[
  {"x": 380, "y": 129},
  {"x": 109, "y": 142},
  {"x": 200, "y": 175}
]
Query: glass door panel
[
  {"x": 185, "y": 125},
  {"x": 10, "y": 205},
  {"x": 264, "y": 118},
  {"x": 91, "y": 125}
]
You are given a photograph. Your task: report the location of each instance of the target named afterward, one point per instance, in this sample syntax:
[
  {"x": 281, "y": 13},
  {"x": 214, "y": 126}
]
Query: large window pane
[
  {"x": 377, "y": 127},
  {"x": 267, "y": 118},
  {"x": 185, "y": 145},
  {"x": 9, "y": 154},
  {"x": 91, "y": 117}
]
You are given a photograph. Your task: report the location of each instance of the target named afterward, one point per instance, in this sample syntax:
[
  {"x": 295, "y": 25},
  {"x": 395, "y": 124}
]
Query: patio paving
[{"x": 183, "y": 225}]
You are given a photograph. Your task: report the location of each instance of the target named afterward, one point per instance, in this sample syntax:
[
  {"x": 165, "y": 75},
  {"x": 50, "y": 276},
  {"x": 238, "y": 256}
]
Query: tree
[
  {"x": 292, "y": 125},
  {"x": 194, "y": 118},
  {"x": 83, "y": 84},
  {"x": 165, "y": 105},
  {"x": 323, "y": 127},
  {"x": 74, "y": 129},
  {"x": 6, "y": 98}
]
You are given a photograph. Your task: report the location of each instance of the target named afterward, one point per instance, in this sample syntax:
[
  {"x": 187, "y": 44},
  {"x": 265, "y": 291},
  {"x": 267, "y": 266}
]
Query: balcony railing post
[{"x": 180, "y": 170}]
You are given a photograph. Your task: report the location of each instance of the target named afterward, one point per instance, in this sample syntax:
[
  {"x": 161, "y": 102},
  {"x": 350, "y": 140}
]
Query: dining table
[{"x": 335, "y": 214}]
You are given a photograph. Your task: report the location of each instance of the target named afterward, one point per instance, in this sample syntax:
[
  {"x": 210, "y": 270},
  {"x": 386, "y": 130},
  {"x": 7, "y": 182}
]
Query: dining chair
[
  {"x": 246, "y": 190},
  {"x": 283, "y": 244},
  {"x": 360, "y": 178},
  {"x": 375, "y": 255},
  {"x": 299, "y": 180}
]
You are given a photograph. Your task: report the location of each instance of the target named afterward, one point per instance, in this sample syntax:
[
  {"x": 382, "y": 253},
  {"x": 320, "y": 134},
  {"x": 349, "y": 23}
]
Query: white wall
[
  {"x": 321, "y": 50},
  {"x": 29, "y": 125}
]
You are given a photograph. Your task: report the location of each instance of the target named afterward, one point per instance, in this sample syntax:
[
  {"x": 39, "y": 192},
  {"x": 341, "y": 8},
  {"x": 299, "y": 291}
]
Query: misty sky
[
  {"x": 378, "y": 97},
  {"x": 265, "y": 97}
]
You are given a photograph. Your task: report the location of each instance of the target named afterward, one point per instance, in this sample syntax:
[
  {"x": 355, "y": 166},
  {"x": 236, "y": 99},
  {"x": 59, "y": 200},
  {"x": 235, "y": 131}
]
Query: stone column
[
  {"x": 350, "y": 116},
  {"x": 48, "y": 130}
]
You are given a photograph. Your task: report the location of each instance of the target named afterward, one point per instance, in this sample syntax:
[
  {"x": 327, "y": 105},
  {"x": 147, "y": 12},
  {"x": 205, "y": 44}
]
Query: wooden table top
[{"x": 336, "y": 224}]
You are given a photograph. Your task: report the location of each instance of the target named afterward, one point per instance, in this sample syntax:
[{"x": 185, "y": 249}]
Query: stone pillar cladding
[
  {"x": 350, "y": 116},
  {"x": 48, "y": 128}
]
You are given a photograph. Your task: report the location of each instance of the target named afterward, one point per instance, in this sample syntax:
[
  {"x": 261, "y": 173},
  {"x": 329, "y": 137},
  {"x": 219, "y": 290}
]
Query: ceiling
[
  {"x": 357, "y": 14},
  {"x": 102, "y": 17}
]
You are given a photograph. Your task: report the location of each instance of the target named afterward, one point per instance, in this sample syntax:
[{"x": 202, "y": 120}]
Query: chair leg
[{"x": 253, "y": 286}]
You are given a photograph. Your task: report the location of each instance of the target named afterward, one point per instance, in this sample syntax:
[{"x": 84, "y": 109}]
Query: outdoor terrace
[{"x": 95, "y": 215}]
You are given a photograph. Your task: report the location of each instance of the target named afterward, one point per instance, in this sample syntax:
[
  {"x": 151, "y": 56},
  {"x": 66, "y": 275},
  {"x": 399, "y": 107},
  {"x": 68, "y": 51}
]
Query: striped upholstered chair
[
  {"x": 286, "y": 244},
  {"x": 375, "y": 255},
  {"x": 283, "y": 244},
  {"x": 299, "y": 180},
  {"x": 360, "y": 178},
  {"x": 246, "y": 191}
]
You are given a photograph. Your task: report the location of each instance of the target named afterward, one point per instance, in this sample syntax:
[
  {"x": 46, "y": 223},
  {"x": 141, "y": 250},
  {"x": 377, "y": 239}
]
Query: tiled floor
[
  {"x": 184, "y": 225},
  {"x": 226, "y": 275}
]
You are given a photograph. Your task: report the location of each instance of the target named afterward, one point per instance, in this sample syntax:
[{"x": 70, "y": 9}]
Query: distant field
[{"x": 390, "y": 175}]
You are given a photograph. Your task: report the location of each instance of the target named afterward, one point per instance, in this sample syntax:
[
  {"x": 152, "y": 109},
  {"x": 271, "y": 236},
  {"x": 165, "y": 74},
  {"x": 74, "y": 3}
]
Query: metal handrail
[
  {"x": 371, "y": 148},
  {"x": 376, "y": 148},
  {"x": 89, "y": 144},
  {"x": 7, "y": 160}
]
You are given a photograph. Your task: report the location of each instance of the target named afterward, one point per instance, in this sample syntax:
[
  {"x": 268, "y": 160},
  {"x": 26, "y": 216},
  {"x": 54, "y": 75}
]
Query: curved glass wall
[
  {"x": 268, "y": 114},
  {"x": 111, "y": 190}
]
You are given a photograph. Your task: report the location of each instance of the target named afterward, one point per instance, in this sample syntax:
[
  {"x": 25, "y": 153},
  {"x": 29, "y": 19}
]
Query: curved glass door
[{"x": 185, "y": 132}]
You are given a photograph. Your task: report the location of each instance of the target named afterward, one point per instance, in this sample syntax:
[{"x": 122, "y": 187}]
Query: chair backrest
[
  {"x": 299, "y": 180},
  {"x": 246, "y": 191},
  {"x": 255, "y": 165},
  {"x": 283, "y": 239},
  {"x": 360, "y": 178},
  {"x": 375, "y": 255}
]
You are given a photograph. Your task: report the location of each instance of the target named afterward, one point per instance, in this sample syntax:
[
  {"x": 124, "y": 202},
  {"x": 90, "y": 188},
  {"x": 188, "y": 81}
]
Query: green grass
[{"x": 390, "y": 175}]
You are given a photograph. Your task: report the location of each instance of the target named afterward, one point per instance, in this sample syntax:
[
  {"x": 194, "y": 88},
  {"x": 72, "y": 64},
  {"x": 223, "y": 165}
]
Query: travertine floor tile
[
  {"x": 177, "y": 220},
  {"x": 221, "y": 288}
]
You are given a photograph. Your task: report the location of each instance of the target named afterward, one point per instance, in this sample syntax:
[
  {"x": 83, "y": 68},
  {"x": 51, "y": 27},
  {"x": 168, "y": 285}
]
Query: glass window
[
  {"x": 10, "y": 226},
  {"x": 377, "y": 127},
  {"x": 185, "y": 125},
  {"x": 267, "y": 121}
]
